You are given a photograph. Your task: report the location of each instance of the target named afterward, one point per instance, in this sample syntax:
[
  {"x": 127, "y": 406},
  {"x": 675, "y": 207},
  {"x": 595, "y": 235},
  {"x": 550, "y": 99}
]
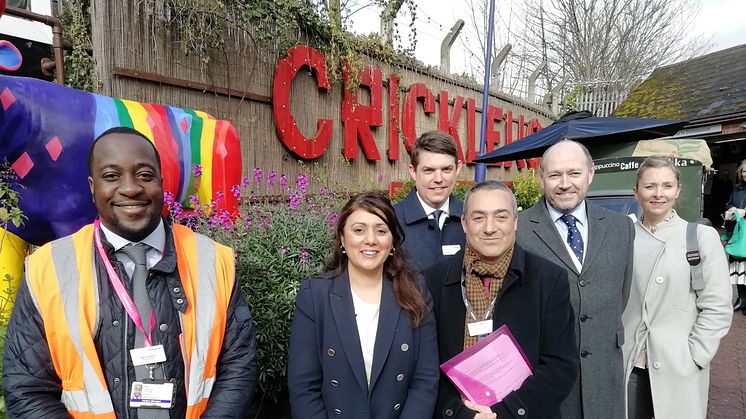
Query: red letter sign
[
  {"x": 358, "y": 119},
  {"x": 416, "y": 91},
  {"x": 450, "y": 125},
  {"x": 298, "y": 57}
]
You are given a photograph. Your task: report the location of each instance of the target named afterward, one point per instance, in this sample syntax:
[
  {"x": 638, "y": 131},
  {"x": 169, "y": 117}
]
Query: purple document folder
[{"x": 491, "y": 369}]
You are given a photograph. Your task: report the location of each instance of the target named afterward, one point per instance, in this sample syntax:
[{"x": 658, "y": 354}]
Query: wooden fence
[{"x": 136, "y": 59}]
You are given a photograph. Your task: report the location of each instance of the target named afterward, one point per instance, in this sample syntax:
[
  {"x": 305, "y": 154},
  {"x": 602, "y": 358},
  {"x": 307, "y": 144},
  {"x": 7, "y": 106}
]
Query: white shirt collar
[
  {"x": 429, "y": 210},
  {"x": 579, "y": 213},
  {"x": 156, "y": 239}
]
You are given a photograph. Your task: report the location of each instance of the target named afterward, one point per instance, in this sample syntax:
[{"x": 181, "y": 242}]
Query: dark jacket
[
  {"x": 326, "y": 373},
  {"x": 598, "y": 295},
  {"x": 33, "y": 389},
  {"x": 737, "y": 199},
  {"x": 423, "y": 241},
  {"x": 534, "y": 303}
]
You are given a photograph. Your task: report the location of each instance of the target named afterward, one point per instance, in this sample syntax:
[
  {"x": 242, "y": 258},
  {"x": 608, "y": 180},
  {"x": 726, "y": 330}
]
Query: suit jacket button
[
  {"x": 583, "y": 318},
  {"x": 656, "y": 364},
  {"x": 397, "y": 406},
  {"x": 404, "y": 347},
  {"x": 585, "y": 354},
  {"x": 330, "y": 352},
  {"x": 337, "y": 412},
  {"x": 582, "y": 283},
  {"x": 521, "y": 411},
  {"x": 449, "y": 412},
  {"x": 335, "y": 383},
  {"x": 399, "y": 377}
]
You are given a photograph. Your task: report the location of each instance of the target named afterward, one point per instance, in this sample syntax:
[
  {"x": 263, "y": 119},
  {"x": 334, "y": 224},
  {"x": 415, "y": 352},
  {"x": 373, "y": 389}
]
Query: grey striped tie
[{"x": 137, "y": 252}]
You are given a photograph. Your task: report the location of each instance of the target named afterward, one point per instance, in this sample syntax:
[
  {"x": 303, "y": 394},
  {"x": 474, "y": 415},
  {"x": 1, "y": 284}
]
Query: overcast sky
[{"x": 724, "y": 21}]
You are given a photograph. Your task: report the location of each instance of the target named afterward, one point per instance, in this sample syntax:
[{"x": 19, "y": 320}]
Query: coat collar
[
  {"x": 343, "y": 311},
  {"x": 413, "y": 211},
  {"x": 544, "y": 228},
  {"x": 515, "y": 270}
]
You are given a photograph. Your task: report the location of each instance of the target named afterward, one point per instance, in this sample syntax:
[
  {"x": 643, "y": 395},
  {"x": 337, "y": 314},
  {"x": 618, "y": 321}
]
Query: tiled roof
[{"x": 706, "y": 86}]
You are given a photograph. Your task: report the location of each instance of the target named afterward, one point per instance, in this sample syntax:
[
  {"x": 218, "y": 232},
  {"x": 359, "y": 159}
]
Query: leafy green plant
[
  {"x": 527, "y": 189},
  {"x": 9, "y": 213},
  {"x": 278, "y": 239}
]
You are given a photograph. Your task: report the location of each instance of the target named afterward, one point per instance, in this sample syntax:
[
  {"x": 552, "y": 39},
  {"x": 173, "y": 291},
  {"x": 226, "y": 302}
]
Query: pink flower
[
  {"x": 302, "y": 183},
  {"x": 271, "y": 178},
  {"x": 331, "y": 217},
  {"x": 380, "y": 177},
  {"x": 197, "y": 170},
  {"x": 257, "y": 174},
  {"x": 283, "y": 181},
  {"x": 294, "y": 202},
  {"x": 304, "y": 256},
  {"x": 236, "y": 191},
  {"x": 194, "y": 200},
  {"x": 245, "y": 181}
]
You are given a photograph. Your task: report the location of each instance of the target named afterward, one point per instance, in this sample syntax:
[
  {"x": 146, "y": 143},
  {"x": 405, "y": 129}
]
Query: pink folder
[{"x": 489, "y": 370}]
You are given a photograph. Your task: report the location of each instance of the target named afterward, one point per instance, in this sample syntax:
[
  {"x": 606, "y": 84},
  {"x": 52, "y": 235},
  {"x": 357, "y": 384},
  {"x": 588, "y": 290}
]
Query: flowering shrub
[{"x": 281, "y": 235}]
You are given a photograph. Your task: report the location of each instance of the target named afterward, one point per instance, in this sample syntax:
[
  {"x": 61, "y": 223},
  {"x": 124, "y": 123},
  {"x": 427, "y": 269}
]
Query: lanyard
[
  {"x": 124, "y": 297},
  {"x": 469, "y": 309}
]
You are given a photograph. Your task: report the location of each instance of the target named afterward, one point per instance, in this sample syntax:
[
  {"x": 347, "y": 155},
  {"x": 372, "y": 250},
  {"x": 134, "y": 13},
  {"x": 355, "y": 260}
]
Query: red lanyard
[{"x": 124, "y": 297}]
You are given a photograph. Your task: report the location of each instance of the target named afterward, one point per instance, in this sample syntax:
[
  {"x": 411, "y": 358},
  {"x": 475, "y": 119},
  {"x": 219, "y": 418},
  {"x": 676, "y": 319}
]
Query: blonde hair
[
  {"x": 740, "y": 183},
  {"x": 657, "y": 162}
]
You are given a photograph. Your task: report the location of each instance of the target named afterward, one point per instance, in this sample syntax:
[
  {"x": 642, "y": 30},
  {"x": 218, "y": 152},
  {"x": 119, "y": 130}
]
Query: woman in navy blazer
[{"x": 362, "y": 342}]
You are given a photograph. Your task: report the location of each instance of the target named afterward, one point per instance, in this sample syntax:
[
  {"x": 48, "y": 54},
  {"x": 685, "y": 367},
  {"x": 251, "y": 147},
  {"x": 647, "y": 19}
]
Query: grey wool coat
[
  {"x": 598, "y": 295},
  {"x": 682, "y": 327}
]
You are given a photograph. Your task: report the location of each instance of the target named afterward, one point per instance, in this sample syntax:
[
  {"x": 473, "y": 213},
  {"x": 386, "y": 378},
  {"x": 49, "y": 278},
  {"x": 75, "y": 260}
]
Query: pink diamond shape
[
  {"x": 184, "y": 125},
  {"x": 54, "y": 148},
  {"x": 7, "y": 98},
  {"x": 23, "y": 165}
]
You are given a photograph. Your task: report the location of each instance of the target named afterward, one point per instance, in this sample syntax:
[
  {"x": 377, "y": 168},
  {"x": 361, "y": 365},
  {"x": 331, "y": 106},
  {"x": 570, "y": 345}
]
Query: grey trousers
[{"x": 639, "y": 397}]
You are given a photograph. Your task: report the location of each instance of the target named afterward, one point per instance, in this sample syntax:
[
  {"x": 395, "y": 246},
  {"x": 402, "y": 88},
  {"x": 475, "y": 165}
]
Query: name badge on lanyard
[{"x": 478, "y": 326}]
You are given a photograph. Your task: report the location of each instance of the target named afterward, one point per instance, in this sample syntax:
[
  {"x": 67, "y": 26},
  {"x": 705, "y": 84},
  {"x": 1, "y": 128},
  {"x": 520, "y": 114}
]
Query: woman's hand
[{"x": 483, "y": 412}]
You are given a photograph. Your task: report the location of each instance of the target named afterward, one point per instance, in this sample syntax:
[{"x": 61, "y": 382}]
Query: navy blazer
[
  {"x": 326, "y": 374},
  {"x": 423, "y": 241},
  {"x": 534, "y": 302}
]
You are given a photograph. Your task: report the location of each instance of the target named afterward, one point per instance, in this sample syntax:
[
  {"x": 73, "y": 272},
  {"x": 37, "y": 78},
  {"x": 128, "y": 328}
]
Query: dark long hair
[{"x": 398, "y": 267}]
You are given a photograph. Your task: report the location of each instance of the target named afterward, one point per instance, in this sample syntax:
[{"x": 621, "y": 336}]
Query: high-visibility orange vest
[{"x": 62, "y": 282}]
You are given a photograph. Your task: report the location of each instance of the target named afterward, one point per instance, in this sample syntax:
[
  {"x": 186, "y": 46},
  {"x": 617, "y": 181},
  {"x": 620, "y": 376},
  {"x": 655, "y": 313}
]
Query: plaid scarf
[{"x": 476, "y": 269}]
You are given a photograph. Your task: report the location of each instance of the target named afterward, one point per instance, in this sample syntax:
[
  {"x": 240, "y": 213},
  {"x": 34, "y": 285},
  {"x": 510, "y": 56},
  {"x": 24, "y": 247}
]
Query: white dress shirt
[
  {"x": 156, "y": 240},
  {"x": 582, "y": 225},
  {"x": 429, "y": 210}
]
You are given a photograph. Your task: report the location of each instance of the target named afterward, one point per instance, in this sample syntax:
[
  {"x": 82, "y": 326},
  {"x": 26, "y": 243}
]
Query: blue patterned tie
[
  {"x": 436, "y": 216},
  {"x": 574, "y": 239}
]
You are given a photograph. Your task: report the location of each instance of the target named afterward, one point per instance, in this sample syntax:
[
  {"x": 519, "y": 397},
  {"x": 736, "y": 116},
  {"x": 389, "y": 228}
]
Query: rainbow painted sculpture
[{"x": 47, "y": 129}]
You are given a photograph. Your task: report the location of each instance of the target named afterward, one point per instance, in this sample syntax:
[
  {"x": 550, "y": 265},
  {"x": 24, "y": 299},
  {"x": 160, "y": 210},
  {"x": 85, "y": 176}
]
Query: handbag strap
[{"x": 693, "y": 257}]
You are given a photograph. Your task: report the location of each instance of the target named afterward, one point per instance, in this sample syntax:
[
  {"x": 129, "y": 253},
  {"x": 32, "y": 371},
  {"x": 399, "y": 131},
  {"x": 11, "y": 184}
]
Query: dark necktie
[
  {"x": 574, "y": 239},
  {"x": 436, "y": 216},
  {"x": 137, "y": 252}
]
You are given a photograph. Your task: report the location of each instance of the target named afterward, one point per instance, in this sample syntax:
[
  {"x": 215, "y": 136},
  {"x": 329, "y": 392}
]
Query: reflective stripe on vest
[
  {"x": 211, "y": 303},
  {"x": 69, "y": 306}
]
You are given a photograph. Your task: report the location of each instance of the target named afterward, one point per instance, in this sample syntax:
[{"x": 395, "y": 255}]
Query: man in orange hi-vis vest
[{"x": 130, "y": 317}]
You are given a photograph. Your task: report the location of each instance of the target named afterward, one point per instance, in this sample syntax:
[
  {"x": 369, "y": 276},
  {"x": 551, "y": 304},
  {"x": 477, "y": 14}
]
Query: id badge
[
  {"x": 152, "y": 393},
  {"x": 480, "y": 328},
  {"x": 148, "y": 355}
]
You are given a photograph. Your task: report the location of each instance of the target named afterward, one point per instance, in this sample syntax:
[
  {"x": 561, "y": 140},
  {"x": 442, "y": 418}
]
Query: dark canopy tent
[{"x": 587, "y": 129}]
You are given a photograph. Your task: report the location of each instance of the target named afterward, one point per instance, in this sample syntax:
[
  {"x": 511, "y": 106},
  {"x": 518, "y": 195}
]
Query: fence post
[
  {"x": 501, "y": 56},
  {"x": 446, "y": 44},
  {"x": 532, "y": 81}
]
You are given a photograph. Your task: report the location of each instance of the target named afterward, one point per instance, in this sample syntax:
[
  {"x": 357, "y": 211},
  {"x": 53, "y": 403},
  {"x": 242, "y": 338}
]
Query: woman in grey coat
[{"x": 672, "y": 332}]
